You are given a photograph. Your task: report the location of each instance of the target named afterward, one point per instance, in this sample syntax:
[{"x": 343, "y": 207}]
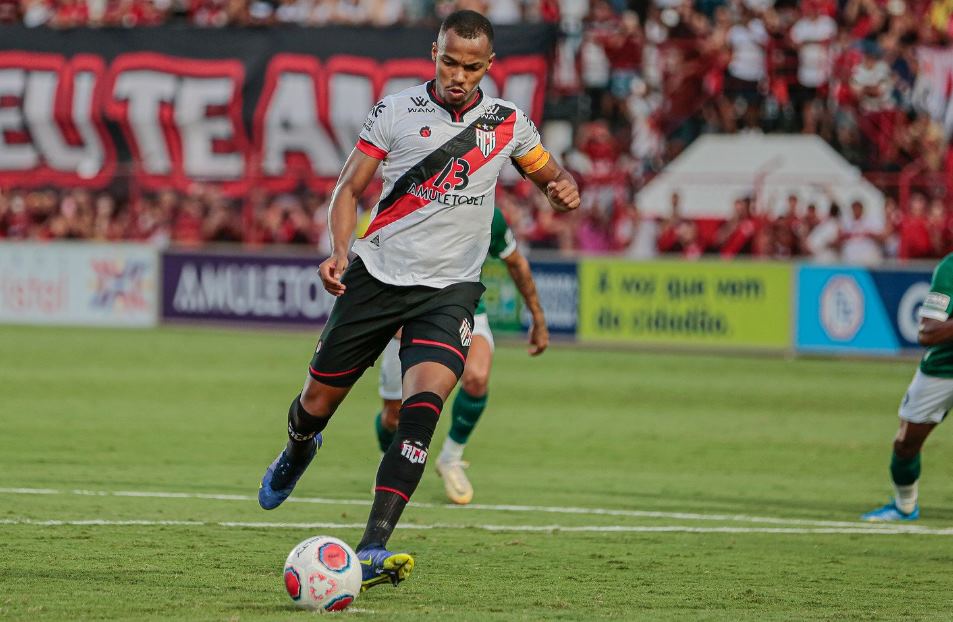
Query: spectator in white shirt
[
  {"x": 872, "y": 85},
  {"x": 746, "y": 71},
  {"x": 861, "y": 237},
  {"x": 812, "y": 35}
]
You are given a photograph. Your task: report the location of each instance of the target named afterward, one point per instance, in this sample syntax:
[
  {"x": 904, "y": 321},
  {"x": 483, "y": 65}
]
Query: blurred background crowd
[{"x": 636, "y": 82}]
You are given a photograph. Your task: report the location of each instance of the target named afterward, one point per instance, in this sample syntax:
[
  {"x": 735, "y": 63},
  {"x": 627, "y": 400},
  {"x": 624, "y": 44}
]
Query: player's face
[{"x": 461, "y": 64}]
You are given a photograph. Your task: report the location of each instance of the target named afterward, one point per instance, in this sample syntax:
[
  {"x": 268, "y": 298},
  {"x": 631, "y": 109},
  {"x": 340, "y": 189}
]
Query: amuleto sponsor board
[
  {"x": 241, "y": 108},
  {"x": 557, "y": 286},
  {"x": 737, "y": 305},
  {"x": 78, "y": 283},
  {"x": 244, "y": 289},
  {"x": 845, "y": 309}
]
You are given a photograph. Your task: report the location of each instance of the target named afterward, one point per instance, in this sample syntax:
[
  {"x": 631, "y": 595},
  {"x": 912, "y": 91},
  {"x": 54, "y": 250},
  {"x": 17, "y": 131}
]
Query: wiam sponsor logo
[
  {"x": 421, "y": 104},
  {"x": 413, "y": 453}
]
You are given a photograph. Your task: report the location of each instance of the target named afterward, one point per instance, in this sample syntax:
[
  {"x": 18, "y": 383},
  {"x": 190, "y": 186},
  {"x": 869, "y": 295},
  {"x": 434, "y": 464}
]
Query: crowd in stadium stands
[{"x": 642, "y": 79}]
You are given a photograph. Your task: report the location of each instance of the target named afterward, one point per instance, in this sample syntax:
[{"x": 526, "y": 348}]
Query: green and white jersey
[
  {"x": 502, "y": 245},
  {"x": 938, "y": 360}
]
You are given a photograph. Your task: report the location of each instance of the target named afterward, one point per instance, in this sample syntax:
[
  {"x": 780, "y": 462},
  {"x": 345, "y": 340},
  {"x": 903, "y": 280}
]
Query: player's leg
[
  {"x": 389, "y": 388},
  {"x": 428, "y": 385},
  {"x": 433, "y": 355},
  {"x": 354, "y": 336},
  {"x": 924, "y": 405},
  {"x": 468, "y": 405}
]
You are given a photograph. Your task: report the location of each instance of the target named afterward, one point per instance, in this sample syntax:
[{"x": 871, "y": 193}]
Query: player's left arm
[
  {"x": 936, "y": 325},
  {"x": 541, "y": 168},
  {"x": 558, "y": 186},
  {"x": 523, "y": 279},
  {"x": 934, "y": 332}
]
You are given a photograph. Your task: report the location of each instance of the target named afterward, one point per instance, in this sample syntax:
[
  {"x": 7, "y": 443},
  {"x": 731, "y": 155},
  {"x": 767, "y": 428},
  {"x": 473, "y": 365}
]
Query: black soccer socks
[
  {"x": 402, "y": 466},
  {"x": 302, "y": 427}
]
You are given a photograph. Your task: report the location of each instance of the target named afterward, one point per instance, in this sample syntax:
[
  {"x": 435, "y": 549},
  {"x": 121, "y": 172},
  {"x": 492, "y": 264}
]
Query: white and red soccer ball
[{"x": 323, "y": 573}]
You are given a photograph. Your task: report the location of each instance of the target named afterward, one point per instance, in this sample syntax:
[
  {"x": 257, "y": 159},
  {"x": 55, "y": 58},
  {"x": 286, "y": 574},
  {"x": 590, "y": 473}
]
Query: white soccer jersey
[{"x": 432, "y": 224}]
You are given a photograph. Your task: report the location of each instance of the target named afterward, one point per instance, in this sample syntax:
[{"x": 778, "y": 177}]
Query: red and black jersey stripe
[{"x": 399, "y": 202}]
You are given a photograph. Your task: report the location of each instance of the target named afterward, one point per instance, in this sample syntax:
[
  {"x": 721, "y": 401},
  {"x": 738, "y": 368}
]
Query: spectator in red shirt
[
  {"x": 915, "y": 239},
  {"x": 737, "y": 234},
  {"x": 9, "y": 11},
  {"x": 623, "y": 49},
  {"x": 188, "y": 224},
  {"x": 70, "y": 14}
]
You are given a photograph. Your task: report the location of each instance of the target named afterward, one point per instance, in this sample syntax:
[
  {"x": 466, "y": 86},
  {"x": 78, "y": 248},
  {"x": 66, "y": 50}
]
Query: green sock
[
  {"x": 466, "y": 412},
  {"x": 384, "y": 436},
  {"x": 904, "y": 471}
]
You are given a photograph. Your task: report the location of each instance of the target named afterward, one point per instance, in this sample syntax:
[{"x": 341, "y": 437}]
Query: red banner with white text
[{"x": 273, "y": 108}]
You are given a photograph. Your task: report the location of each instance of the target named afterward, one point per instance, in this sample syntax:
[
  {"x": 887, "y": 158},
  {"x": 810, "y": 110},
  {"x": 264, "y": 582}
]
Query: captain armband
[{"x": 533, "y": 160}]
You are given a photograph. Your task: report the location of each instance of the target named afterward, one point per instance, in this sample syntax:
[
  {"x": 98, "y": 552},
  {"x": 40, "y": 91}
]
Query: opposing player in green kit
[
  {"x": 928, "y": 399},
  {"x": 471, "y": 399}
]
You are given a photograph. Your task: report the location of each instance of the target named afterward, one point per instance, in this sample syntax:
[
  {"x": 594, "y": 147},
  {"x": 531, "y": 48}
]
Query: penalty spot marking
[
  {"x": 551, "y": 529},
  {"x": 690, "y": 516}
]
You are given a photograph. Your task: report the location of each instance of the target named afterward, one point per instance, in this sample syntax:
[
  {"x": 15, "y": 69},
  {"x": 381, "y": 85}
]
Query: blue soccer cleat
[
  {"x": 282, "y": 475},
  {"x": 890, "y": 513},
  {"x": 378, "y": 565}
]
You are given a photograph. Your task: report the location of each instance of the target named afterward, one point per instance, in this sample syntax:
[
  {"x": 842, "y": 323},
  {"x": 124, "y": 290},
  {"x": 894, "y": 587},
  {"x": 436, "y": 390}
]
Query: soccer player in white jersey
[{"x": 443, "y": 145}]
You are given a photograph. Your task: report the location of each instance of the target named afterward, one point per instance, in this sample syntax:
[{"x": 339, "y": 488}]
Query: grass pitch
[{"x": 609, "y": 486}]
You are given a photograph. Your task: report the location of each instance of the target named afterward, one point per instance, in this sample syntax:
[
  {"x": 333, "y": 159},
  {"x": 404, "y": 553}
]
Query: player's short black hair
[{"x": 468, "y": 24}]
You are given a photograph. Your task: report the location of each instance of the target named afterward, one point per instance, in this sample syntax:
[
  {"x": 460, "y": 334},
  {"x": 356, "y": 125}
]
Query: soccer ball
[{"x": 323, "y": 573}]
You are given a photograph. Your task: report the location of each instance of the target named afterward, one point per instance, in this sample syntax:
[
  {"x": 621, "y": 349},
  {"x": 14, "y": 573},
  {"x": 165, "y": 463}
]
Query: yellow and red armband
[{"x": 533, "y": 160}]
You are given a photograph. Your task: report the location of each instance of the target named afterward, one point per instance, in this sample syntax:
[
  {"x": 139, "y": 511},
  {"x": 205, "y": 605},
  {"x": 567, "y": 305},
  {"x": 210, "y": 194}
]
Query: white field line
[
  {"x": 686, "y": 516},
  {"x": 552, "y": 529}
]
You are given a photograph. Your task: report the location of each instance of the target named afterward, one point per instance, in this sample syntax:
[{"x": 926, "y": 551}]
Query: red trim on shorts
[
  {"x": 370, "y": 149},
  {"x": 396, "y": 492},
  {"x": 428, "y": 342},
  {"x": 338, "y": 374},
  {"x": 427, "y": 404}
]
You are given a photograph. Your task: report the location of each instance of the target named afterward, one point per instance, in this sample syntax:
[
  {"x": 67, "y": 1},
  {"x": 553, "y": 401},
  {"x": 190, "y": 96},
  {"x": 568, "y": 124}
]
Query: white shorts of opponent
[
  {"x": 927, "y": 400},
  {"x": 389, "y": 381}
]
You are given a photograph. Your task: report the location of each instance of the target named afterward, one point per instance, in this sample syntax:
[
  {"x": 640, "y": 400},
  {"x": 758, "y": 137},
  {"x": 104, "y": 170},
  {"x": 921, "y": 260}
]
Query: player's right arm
[
  {"x": 371, "y": 149},
  {"x": 357, "y": 173}
]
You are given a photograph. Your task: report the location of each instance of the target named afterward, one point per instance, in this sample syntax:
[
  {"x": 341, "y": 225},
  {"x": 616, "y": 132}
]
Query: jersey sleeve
[
  {"x": 529, "y": 153},
  {"x": 937, "y": 305},
  {"x": 502, "y": 240},
  {"x": 375, "y": 137}
]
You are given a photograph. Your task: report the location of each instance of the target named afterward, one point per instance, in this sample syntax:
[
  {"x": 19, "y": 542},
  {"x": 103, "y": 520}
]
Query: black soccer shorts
[{"x": 437, "y": 323}]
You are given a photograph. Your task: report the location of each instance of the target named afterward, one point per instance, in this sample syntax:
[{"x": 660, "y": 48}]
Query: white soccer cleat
[{"x": 455, "y": 482}]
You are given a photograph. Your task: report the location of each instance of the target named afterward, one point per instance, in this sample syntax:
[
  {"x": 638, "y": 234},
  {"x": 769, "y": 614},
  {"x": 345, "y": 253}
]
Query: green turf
[{"x": 201, "y": 411}]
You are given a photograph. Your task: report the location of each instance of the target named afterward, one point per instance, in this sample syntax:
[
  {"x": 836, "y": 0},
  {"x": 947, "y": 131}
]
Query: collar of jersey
[{"x": 456, "y": 115}]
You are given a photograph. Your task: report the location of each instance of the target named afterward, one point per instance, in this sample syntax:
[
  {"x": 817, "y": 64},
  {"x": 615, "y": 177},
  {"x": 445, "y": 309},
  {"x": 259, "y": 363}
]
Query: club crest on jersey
[
  {"x": 425, "y": 131},
  {"x": 486, "y": 141},
  {"x": 466, "y": 333}
]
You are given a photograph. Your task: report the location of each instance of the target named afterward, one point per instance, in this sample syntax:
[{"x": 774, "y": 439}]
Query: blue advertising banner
[
  {"x": 848, "y": 309},
  {"x": 558, "y": 286},
  {"x": 244, "y": 288},
  {"x": 902, "y": 292}
]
